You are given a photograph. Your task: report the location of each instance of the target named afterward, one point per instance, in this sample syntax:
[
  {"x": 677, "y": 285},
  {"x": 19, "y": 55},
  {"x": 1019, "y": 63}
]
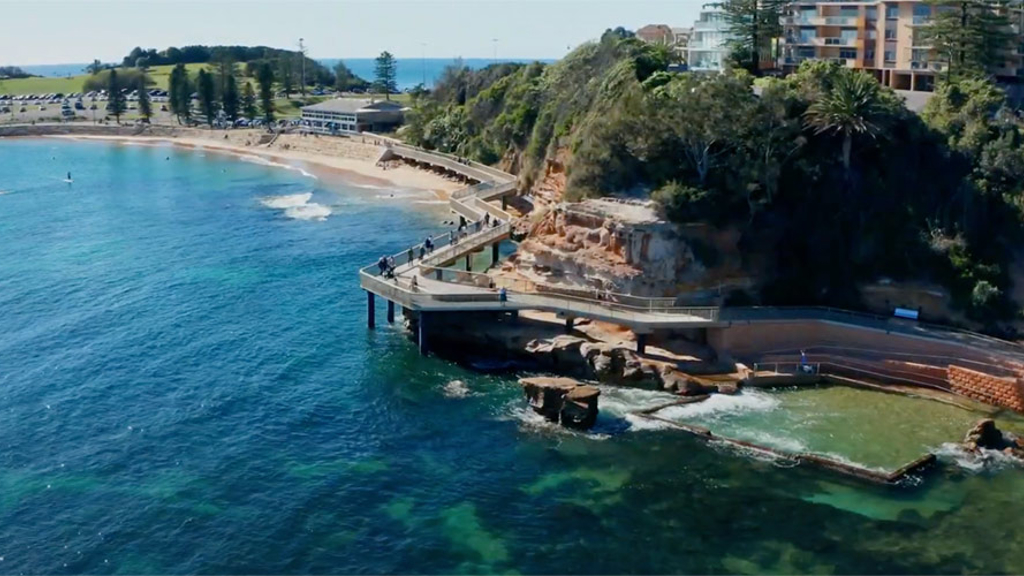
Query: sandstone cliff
[{"x": 623, "y": 246}]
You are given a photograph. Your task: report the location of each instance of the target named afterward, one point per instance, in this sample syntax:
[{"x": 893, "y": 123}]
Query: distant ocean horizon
[{"x": 411, "y": 71}]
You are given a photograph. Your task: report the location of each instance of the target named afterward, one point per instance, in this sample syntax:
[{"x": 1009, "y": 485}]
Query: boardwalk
[{"x": 427, "y": 283}]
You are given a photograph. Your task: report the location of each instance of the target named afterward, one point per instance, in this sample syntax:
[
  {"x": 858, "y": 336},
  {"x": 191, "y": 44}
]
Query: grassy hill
[{"x": 39, "y": 85}]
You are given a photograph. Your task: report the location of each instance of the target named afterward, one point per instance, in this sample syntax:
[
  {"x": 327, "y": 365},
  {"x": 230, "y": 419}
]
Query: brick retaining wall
[{"x": 1005, "y": 392}]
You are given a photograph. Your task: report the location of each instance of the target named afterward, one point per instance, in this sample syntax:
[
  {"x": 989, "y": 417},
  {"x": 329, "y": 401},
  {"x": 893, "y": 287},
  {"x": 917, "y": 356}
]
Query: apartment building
[
  {"x": 676, "y": 39},
  {"x": 708, "y": 47},
  {"x": 882, "y": 37}
]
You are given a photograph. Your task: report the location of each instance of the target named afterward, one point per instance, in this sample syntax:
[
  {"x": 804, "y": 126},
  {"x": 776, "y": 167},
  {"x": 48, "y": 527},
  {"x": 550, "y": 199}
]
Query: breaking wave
[
  {"x": 983, "y": 461},
  {"x": 297, "y": 206},
  {"x": 265, "y": 162},
  {"x": 721, "y": 405}
]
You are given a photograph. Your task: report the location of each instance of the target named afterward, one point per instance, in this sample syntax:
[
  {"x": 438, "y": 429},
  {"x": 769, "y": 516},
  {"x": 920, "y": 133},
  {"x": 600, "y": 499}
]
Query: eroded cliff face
[{"x": 624, "y": 247}]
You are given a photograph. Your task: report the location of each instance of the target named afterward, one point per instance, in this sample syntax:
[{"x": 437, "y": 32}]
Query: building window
[
  {"x": 869, "y": 57},
  {"x": 848, "y": 54},
  {"x": 892, "y": 12},
  {"x": 890, "y": 33},
  {"x": 890, "y": 55},
  {"x": 871, "y": 13}
]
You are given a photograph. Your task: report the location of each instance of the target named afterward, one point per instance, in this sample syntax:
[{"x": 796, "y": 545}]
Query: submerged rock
[{"x": 562, "y": 400}]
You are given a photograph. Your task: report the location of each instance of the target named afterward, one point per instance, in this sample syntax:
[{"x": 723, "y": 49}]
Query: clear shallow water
[
  {"x": 187, "y": 385},
  {"x": 877, "y": 430}
]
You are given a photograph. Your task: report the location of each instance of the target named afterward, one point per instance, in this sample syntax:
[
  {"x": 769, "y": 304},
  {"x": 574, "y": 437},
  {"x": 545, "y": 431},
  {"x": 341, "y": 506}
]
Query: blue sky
[{"x": 64, "y": 31}]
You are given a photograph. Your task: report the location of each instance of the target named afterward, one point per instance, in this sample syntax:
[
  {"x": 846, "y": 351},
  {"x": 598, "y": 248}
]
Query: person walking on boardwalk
[{"x": 502, "y": 296}]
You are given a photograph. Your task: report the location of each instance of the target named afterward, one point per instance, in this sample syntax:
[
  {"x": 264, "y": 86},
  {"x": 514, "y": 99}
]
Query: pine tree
[
  {"x": 229, "y": 98},
  {"x": 115, "y": 101},
  {"x": 180, "y": 93},
  {"x": 970, "y": 36},
  {"x": 145, "y": 104},
  {"x": 249, "y": 102},
  {"x": 752, "y": 26},
  {"x": 386, "y": 72},
  {"x": 285, "y": 74},
  {"x": 265, "y": 78},
  {"x": 207, "y": 96}
]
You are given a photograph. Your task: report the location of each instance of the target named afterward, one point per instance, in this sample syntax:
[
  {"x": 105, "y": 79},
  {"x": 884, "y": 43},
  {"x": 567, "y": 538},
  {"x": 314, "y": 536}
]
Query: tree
[
  {"x": 962, "y": 109},
  {"x": 752, "y": 25},
  {"x": 229, "y": 99},
  {"x": 265, "y": 79},
  {"x": 970, "y": 36},
  {"x": 95, "y": 67},
  {"x": 180, "y": 93},
  {"x": 115, "y": 99},
  {"x": 145, "y": 104},
  {"x": 207, "y": 95},
  {"x": 704, "y": 114},
  {"x": 853, "y": 107},
  {"x": 285, "y": 74},
  {"x": 346, "y": 81},
  {"x": 249, "y": 102},
  {"x": 385, "y": 73}
]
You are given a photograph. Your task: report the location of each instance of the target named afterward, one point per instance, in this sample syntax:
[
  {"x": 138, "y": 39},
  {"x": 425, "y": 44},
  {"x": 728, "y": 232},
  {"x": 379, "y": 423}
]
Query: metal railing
[{"x": 605, "y": 299}]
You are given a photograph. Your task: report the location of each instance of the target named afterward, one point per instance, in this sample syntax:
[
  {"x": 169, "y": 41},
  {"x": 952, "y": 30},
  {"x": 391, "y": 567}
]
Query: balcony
[
  {"x": 834, "y": 41},
  {"x": 822, "y": 21},
  {"x": 927, "y": 65},
  {"x": 922, "y": 20}
]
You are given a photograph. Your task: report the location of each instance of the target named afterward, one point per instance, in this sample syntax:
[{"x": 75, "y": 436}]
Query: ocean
[
  {"x": 411, "y": 71},
  {"x": 187, "y": 385}
]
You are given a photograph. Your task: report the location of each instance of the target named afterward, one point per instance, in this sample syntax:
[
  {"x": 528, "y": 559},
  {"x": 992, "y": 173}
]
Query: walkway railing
[{"x": 571, "y": 298}]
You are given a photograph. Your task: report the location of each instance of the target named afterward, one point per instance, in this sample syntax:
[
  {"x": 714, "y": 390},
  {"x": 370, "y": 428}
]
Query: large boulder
[
  {"x": 562, "y": 400},
  {"x": 984, "y": 435}
]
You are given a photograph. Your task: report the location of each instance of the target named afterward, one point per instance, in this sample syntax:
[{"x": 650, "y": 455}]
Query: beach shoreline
[{"x": 351, "y": 158}]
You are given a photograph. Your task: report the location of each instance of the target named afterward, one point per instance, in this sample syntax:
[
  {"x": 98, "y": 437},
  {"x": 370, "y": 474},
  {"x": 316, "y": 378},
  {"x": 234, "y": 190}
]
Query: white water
[
  {"x": 265, "y": 162},
  {"x": 456, "y": 389},
  {"x": 298, "y": 206}
]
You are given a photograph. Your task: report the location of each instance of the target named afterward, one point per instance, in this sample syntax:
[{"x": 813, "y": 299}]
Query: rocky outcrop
[
  {"x": 563, "y": 400},
  {"x": 625, "y": 247},
  {"x": 612, "y": 364},
  {"x": 986, "y": 436}
]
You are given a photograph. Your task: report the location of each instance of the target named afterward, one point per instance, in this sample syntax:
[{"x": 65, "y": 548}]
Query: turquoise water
[{"x": 187, "y": 386}]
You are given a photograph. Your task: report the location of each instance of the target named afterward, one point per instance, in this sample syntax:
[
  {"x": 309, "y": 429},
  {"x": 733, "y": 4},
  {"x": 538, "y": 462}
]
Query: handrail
[
  {"x": 912, "y": 357},
  {"x": 529, "y": 288}
]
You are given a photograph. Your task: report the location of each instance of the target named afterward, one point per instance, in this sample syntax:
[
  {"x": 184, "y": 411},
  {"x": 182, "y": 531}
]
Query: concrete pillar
[
  {"x": 641, "y": 344},
  {"x": 439, "y": 274},
  {"x": 469, "y": 262},
  {"x": 504, "y": 202},
  {"x": 391, "y": 312},
  {"x": 494, "y": 253},
  {"x": 370, "y": 310},
  {"x": 423, "y": 332}
]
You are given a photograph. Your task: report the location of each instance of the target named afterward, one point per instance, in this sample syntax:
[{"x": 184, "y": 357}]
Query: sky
[{"x": 73, "y": 31}]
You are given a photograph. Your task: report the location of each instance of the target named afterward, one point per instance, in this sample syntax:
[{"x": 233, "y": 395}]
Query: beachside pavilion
[{"x": 348, "y": 115}]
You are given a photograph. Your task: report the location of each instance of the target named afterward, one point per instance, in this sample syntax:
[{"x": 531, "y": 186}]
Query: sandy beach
[{"x": 354, "y": 156}]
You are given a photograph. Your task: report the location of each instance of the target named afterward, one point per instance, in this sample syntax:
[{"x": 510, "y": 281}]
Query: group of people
[{"x": 386, "y": 265}]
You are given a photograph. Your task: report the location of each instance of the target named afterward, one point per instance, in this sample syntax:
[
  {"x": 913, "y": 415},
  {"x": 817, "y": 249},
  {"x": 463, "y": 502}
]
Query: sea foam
[{"x": 298, "y": 206}]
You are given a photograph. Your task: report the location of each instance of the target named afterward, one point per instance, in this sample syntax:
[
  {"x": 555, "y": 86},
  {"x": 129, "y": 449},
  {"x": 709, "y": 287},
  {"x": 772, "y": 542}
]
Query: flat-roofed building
[
  {"x": 708, "y": 46},
  {"x": 351, "y": 115}
]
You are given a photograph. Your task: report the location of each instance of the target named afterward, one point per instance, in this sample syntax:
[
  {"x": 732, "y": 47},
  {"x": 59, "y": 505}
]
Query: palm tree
[{"x": 854, "y": 106}]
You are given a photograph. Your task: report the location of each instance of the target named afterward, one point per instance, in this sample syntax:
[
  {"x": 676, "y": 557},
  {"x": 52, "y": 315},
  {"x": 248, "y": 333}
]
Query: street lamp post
[
  {"x": 494, "y": 43},
  {"x": 302, "y": 53}
]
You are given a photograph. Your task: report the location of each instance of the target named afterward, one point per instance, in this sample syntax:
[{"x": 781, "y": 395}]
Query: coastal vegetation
[{"x": 830, "y": 180}]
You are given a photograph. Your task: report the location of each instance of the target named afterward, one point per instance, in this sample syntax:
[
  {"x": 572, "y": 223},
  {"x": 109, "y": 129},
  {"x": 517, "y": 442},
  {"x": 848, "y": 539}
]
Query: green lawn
[
  {"x": 160, "y": 75},
  {"x": 41, "y": 85}
]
